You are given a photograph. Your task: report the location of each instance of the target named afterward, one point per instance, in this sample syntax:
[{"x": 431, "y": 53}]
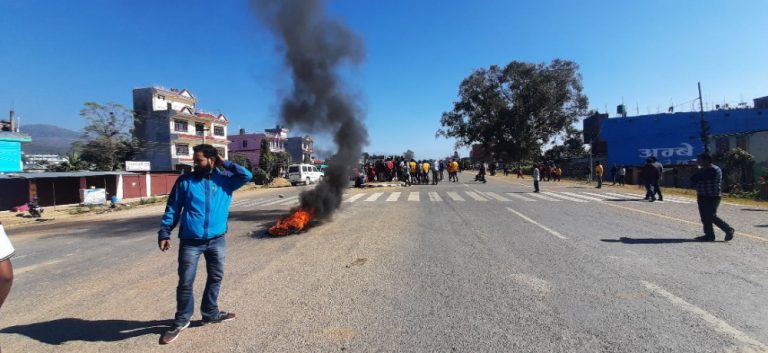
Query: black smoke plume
[{"x": 314, "y": 47}]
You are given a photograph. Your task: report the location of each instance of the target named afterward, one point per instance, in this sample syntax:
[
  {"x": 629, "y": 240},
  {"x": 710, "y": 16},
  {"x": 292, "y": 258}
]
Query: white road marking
[
  {"x": 564, "y": 197},
  {"x": 375, "y": 196},
  {"x": 623, "y": 197},
  {"x": 393, "y": 197},
  {"x": 454, "y": 196},
  {"x": 354, "y": 198},
  {"x": 543, "y": 197},
  {"x": 475, "y": 196},
  {"x": 290, "y": 202},
  {"x": 600, "y": 196},
  {"x": 550, "y": 231},
  {"x": 719, "y": 325},
  {"x": 582, "y": 196},
  {"x": 25, "y": 269},
  {"x": 518, "y": 196},
  {"x": 279, "y": 201},
  {"x": 497, "y": 196},
  {"x": 413, "y": 196},
  {"x": 433, "y": 196}
]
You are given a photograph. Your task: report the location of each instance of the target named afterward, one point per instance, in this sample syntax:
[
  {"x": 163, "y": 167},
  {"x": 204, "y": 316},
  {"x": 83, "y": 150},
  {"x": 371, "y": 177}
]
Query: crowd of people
[{"x": 410, "y": 172}]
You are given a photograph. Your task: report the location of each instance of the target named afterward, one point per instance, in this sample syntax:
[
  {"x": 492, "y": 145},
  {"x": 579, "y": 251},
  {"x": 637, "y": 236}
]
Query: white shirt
[
  {"x": 436, "y": 166},
  {"x": 536, "y": 174},
  {"x": 6, "y": 249}
]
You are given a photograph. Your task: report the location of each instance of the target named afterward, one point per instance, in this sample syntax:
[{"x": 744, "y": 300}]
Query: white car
[{"x": 304, "y": 173}]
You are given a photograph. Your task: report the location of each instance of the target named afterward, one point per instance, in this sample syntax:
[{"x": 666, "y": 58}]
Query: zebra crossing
[{"x": 465, "y": 196}]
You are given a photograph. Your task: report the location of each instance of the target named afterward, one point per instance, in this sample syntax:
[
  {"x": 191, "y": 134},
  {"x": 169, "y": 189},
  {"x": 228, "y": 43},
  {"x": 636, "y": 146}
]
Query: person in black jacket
[
  {"x": 650, "y": 175},
  {"x": 708, "y": 181}
]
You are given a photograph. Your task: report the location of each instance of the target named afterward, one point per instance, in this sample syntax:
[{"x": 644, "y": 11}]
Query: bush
[{"x": 260, "y": 177}]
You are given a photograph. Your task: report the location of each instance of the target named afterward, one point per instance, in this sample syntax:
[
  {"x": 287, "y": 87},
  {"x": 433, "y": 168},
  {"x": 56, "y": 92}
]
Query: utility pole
[{"x": 704, "y": 126}]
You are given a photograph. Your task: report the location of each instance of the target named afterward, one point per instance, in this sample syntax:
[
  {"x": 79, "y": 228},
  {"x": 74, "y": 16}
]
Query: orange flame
[{"x": 293, "y": 223}]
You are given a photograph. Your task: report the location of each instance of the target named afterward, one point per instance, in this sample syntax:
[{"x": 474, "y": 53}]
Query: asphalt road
[{"x": 457, "y": 267}]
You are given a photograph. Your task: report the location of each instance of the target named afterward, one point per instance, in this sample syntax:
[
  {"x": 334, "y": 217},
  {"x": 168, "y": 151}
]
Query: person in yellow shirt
[
  {"x": 425, "y": 172},
  {"x": 414, "y": 171},
  {"x": 455, "y": 170},
  {"x": 599, "y": 174}
]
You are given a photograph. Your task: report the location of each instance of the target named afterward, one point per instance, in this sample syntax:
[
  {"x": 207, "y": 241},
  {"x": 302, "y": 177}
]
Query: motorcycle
[{"x": 34, "y": 209}]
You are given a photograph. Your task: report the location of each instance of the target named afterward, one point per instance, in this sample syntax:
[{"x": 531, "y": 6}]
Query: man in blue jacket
[{"x": 200, "y": 202}]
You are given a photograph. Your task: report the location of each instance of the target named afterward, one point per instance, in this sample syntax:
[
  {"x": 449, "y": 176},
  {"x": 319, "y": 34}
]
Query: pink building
[{"x": 249, "y": 145}]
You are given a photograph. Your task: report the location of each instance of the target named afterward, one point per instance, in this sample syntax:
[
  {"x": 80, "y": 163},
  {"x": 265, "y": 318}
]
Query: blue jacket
[{"x": 202, "y": 204}]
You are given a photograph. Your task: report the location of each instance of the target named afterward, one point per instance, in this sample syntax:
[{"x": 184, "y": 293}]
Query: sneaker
[
  {"x": 729, "y": 234},
  {"x": 660, "y": 199},
  {"x": 173, "y": 333},
  {"x": 704, "y": 238},
  {"x": 223, "y": 316}
]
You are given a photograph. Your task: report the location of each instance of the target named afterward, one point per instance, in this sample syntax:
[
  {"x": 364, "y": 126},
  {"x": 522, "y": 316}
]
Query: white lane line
[
  {"x": 240, "y": 202},
  {"x": 25, "y": 269},
  {"x": 497, "y": 196},
  {"x": 543, "y": 197},
  {"x": 719, "y": 325},
  {"x": 433, "y": 196},
  {"x": 601, "y": 196},
  {"x": 673, "y": 200},
  {"x": 413, "y": 196},
  {"x": 291, "y": 202},
  {"x": 635, "y": 196},
  {"x": 393, "y": 196},
  {"x": 375, "y": 196},
  {"x": 550, "y": 231},
  {"x": 475, "y": 196},
  {"x": 623, "y": 197},
  {"x": 582, "y": 196},
  {"x": 279, "y": 201},
  {"x": 564, "y": 197},
  {"x": 454, "y": 196},
  {"x": 354, "y": 198},
  {"x": 519, "y": 197}
]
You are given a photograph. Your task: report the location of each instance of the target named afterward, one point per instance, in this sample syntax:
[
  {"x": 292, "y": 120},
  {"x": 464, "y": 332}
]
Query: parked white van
[{"x": 304, "y": 173}]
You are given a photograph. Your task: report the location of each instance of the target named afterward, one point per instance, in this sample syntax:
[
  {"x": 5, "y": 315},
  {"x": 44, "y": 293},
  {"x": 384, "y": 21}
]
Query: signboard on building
[
  {"x": 93, "y": 196},
  {"x": 137, "y": 166}
]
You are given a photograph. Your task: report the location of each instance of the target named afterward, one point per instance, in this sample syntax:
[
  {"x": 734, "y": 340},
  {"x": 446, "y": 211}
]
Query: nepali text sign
[{"x": 137, "y": 166}]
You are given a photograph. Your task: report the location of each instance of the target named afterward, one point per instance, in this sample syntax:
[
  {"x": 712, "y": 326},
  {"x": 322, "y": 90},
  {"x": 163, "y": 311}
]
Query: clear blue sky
[{"x": 56, "y": 55}]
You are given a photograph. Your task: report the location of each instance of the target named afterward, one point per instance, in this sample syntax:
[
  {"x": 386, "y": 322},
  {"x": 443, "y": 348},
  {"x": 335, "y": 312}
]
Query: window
[
  {"x": 200, "y": 129},
  {"x": 218, "y": 130},
  {"x": 304, "y": 168},
  {"x": 222, "y": 152},
  {"x": 182, "y": 149},
  {"x": 180, "y": 126},
  {"x": 160, "y": 96},
  {"x": 245, "y": 143}
]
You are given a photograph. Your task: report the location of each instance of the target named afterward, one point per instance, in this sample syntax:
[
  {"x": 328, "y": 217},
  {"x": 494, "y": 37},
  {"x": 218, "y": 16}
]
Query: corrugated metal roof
[{"x": 62, "y": 174}]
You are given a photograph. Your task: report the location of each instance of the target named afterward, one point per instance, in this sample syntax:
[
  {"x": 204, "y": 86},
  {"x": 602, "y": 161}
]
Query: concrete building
[
  {"x": 168, "y": 125},
  {"x": 300, "y": 148},
  {"x": 10, "y": 145},
  {"x": 249, "y": 145},
  {"x": 675, "y": 138}
]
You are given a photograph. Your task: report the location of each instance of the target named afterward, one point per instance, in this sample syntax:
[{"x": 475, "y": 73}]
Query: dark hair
[
  {"x": 208, "y": 150},
  {"x": 705, "y": 156}
]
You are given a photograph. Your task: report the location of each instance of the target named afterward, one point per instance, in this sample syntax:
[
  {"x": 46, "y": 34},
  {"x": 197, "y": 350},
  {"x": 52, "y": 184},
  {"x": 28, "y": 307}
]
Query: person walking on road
[
  {"x": 520, "y": 173},
  {"x": 441, "y": 168},
  {"x": 656, "y": 188},
  {"x": 435, "y": 172},
  {"x": 614, "y": 173},
  {"x": 199, "y": 202},
  {"x": 650, "y": 176},
  {"x": 536, "y": 176},
  {"x": 588, "y": 175},
  {"x": 599, "y": 174},
  {"x": 622, "y": 175},
  {"x": 708, "y": 181}
]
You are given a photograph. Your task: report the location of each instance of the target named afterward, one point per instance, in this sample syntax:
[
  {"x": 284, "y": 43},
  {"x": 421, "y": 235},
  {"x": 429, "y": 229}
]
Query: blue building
[
  {"x": 10, "y": 151},
  {"x": 673, "y": 138}
]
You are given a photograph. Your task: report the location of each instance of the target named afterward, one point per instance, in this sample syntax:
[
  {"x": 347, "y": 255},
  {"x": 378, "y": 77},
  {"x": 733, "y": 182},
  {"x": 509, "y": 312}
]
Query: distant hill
[{"x": 48, "y": 139}]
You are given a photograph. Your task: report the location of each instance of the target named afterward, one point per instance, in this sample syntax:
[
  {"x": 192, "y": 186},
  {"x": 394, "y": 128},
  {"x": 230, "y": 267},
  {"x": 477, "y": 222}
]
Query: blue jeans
[{"x": 214, "y": 251}]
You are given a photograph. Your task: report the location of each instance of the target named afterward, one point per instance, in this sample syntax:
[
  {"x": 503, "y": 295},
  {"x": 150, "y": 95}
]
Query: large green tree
[
  {"x": 109, "y": 142},
  {"x": 515, "y": 110}
]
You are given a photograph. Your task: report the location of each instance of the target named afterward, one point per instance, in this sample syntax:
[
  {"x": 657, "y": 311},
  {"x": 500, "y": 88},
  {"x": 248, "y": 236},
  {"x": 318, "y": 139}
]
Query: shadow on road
[
  {"x": 755, "y": 209},
  {"x": 626, "y": 200},
  {"x": 761, "y": 225},
  {"x": 627, "y": 240},
  {"x": 60, "y": 331}
]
